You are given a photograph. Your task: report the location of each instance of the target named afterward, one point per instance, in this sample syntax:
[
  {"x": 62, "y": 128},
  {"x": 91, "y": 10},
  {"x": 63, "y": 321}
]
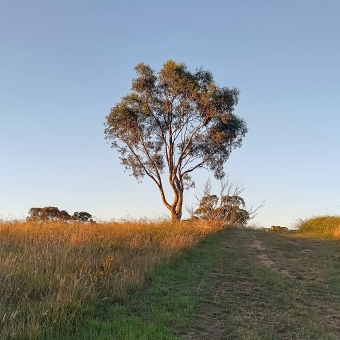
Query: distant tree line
[{"x": 54, "y": 214}]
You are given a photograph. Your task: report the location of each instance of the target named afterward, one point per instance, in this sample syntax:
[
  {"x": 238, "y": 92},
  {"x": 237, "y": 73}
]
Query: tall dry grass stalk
[{"x": 51, "y": 273}]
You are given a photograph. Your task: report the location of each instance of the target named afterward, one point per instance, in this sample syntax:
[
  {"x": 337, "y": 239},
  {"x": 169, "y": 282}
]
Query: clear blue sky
[{"x": 64, "y": 64}]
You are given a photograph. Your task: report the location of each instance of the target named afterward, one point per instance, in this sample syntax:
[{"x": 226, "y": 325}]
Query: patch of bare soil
[
  {"x": 330, "y": 315},
  {"x": 265, "y": 259},
  {"x": 305, "y": 251},
  {"x": 257, "y": 244}
]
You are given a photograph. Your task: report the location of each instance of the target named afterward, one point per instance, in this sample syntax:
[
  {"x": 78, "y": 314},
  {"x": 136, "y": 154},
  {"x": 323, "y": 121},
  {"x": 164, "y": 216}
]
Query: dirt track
[{"x": 266, "y": 283}]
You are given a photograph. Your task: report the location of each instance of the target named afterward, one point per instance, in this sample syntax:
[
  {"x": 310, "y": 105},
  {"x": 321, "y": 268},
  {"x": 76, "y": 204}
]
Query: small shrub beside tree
[{"x": 228, "y": 207}]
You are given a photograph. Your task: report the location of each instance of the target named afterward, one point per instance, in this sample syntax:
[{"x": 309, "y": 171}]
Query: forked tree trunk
[
  {"x": 176, "y": 217},
  {"x": 176, "y": 208},
  {"x": 177, "y": 204}
]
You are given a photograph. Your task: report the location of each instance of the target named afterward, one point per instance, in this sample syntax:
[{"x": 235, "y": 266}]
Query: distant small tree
[
  {"x": 34, "y": 214},
  {"x": 82, "y": 216},
  {"x": 228, "y": 207},
  {"x": 64, "y": 216},
  {"x": 44, "y": 214}
]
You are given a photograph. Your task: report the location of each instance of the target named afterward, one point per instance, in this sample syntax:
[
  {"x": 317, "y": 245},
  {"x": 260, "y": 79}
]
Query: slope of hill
[
  {"x": 194, "y": 282},
  {"x": 237, "y": 284}
]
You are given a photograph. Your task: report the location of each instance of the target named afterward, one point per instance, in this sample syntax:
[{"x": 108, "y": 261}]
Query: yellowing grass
[
  {"x": 321, "y": 226},
  {"x": 50, "y": 273}
]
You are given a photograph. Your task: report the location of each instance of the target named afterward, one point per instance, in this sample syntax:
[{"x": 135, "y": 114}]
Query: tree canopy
[
  {"x": 54, "y": 214},
  {"x": 175, "y": 121}
]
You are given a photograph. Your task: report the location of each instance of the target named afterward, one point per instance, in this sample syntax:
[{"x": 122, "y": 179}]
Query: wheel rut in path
[
  {"x": 210, "y": 320},
  {"x": 264, "y": 259},
  {"x": 230, "y": 286}
]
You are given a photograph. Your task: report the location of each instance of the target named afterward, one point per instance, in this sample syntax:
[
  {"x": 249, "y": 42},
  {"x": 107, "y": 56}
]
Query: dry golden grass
[
  {"x": 51, "y": 273},
  {"x": 320, "y": 226}
]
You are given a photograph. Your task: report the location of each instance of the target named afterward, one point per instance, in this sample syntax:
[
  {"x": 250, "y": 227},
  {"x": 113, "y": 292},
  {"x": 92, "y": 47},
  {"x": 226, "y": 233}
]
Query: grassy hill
[{"x": 162, "y": 281}]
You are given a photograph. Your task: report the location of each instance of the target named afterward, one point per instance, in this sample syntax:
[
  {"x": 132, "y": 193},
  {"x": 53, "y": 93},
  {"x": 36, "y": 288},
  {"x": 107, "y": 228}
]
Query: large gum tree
[{"x": 175, "y": 121}]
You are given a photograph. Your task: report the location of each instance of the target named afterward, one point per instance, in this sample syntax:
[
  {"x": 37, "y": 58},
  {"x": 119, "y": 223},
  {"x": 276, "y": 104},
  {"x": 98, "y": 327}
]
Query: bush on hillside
[
  {"x": 227, "y": 207},
  {"x": 320, "y": 225}
]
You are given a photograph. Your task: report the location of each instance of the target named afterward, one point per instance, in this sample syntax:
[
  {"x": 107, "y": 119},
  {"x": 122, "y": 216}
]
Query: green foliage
[
  {"x": 230, "y": 209},
  {"x": 48, "y": 214},
  {"x": 82, "y": 216},
  {"x": 175, "y": 121}
]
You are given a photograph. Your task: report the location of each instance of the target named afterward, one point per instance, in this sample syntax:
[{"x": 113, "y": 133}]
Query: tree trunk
[
  {"x": 176, "y": 207},
  {"x": 175, "y": 217}
]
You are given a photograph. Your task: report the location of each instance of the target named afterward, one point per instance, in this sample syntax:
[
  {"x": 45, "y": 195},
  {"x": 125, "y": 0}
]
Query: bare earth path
[{"x": 269, "y": 286}]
